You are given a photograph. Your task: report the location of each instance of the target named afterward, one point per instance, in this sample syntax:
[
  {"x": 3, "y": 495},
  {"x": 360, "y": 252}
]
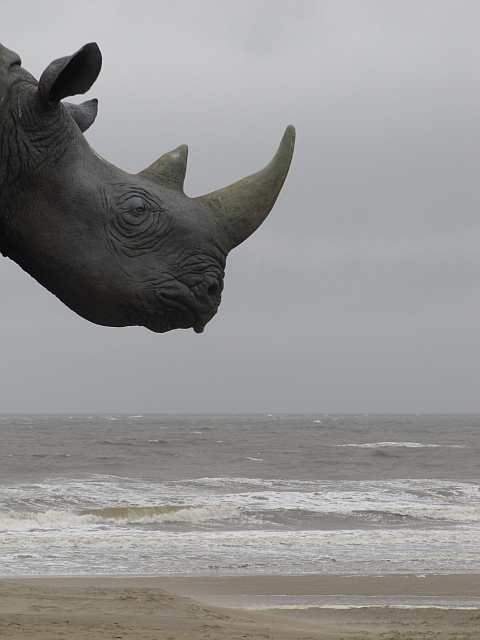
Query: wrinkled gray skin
[{"x": 119, "y": 249}]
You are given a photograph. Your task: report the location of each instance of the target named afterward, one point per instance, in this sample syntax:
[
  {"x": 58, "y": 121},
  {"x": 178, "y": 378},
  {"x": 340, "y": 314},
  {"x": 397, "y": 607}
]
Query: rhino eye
[
  {"x": 136, "y": 205},
  {"x": 137, "y": 225}
]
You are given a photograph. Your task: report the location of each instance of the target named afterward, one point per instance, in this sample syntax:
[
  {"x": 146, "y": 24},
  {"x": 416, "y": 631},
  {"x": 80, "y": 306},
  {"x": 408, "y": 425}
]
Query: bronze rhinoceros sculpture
[{"x": 117, "y": 248}]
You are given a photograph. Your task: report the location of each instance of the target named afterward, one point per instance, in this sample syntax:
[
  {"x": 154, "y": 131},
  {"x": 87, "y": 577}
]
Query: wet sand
[{"x": 184, "y": 609}]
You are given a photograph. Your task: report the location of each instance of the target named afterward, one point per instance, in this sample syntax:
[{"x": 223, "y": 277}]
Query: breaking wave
[
  {"x": 56, "y": 520},
  {"x": 131, "y": 514},
  {"x": 50, "y": 520},
  {"x": 187, "y": 514}
]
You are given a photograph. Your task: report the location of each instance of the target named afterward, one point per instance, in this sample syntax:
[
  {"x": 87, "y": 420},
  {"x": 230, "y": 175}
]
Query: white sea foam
[
  {"x": 237, "y": 525},
  {"x": 457, "y": 607},
  {"x": 123, "y": 551},
  {"x": 429, "y": 500},
  {"x": 406, "y": 445}
]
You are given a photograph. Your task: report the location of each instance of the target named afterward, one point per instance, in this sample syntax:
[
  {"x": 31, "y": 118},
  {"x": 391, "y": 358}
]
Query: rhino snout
[{"x": 208, "y": 294}]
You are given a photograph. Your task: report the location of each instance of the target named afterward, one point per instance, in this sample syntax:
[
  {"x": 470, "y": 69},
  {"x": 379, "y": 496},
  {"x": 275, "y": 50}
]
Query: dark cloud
[{"x": 360, "y": 293}]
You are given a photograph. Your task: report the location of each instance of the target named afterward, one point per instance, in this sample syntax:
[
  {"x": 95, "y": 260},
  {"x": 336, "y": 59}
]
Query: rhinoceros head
[{"x": 117, "y": 248}]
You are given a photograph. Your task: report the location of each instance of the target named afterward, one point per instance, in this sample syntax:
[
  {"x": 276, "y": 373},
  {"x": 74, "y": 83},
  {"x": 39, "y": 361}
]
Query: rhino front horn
[{"x": 244, "y": 205}]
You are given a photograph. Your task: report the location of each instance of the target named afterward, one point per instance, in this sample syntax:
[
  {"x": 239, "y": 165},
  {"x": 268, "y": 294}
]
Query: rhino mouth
[
  {"x": 169, "y": 319},
  {"x": 191, "y": 308}
]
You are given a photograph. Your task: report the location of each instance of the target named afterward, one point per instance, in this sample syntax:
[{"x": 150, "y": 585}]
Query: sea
[{"x": 216, "y": 495}]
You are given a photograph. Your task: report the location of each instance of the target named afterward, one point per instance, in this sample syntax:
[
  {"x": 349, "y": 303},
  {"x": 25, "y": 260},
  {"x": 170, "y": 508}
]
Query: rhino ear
[
  {"x": 84, "y": 114},
  {"x": 71, "y": 75}
]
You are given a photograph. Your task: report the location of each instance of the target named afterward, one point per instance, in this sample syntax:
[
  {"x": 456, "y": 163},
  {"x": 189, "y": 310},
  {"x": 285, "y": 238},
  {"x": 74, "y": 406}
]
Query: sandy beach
[{"x": 183, "y": 608}]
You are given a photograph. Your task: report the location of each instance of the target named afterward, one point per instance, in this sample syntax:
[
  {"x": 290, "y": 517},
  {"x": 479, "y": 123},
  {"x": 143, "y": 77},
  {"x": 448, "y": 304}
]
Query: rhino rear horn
[
  {"x": 71, "y": 75},
  {"x": 242, "y": 207},
  {"x": 170, "y": 169},
  {"x": 84, "y": 114}
]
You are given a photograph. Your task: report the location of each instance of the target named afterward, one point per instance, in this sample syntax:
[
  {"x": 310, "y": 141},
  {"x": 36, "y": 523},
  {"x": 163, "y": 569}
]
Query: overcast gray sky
[{"x": 361, "y": 292}]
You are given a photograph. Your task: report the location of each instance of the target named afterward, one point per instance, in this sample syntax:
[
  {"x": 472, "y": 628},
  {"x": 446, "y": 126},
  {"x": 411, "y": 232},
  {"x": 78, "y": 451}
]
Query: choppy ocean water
[{"x": 226, "y": 495}]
